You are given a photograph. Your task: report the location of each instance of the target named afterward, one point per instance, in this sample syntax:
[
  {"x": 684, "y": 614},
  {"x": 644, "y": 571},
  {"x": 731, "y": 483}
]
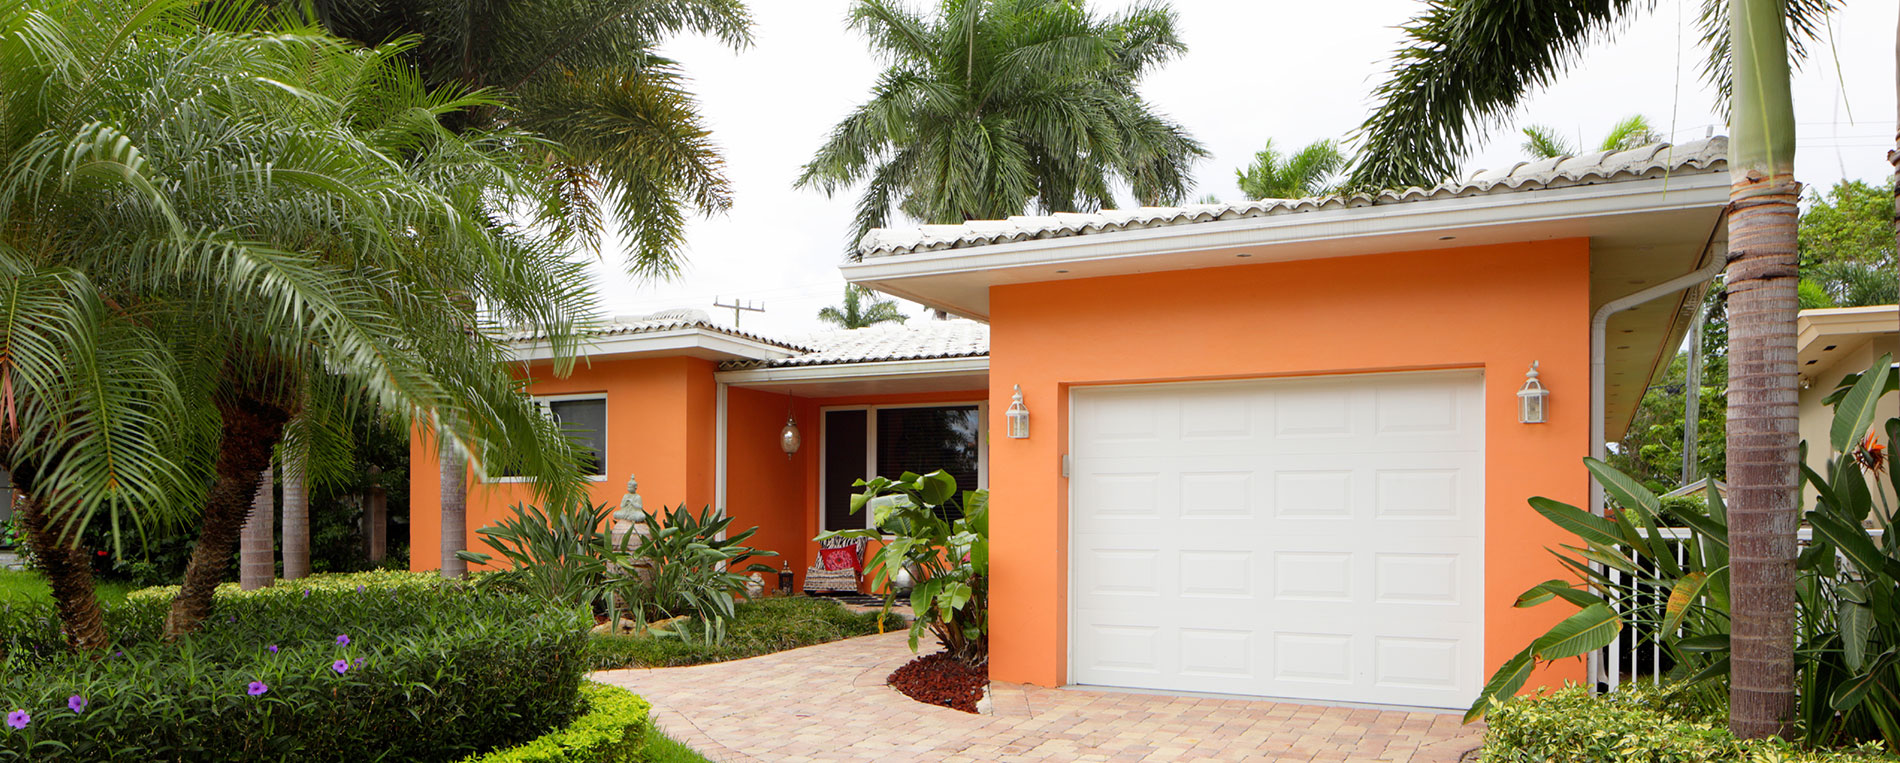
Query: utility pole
[
  {"x": 1692, "y": 398},
  {"x": 738, "y": 306}
]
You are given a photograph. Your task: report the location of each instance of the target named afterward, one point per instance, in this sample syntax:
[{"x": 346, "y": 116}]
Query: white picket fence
[{"x": 1635, "y": 656}]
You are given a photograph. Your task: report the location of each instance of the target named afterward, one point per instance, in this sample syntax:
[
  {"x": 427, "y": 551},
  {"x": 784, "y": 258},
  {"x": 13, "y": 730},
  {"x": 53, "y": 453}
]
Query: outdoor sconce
[
  {"x": 1531, "y": 406},
  {"x": 1018, "y": 416},
  {"x": 788, "y": 438}
]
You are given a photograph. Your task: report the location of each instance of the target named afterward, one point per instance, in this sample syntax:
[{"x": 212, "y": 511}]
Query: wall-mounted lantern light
[
  {"x": 1531, "y": 405},
  {"x": 788, "y": 438},
  {"x": 1018, "y": 416}
]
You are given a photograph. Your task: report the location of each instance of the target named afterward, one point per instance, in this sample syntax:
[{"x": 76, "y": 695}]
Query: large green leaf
[
  {"x": 1503, "y": 684},
  {"x": 1857, "y": 629},
  {"x": 1851, "y": 691},
  {"x": 1681, "y": 598},
  {"x": 1550, "y": 589},
  {"x": 1705, "y": 643},
  {"x": 1625, "y": 489},
  {"x": 1588, "y": 526},
  {"x": 1593, "y": 628},
  {"x": 1851, "y": 539},
  {"x": 1855, "y": 413}
]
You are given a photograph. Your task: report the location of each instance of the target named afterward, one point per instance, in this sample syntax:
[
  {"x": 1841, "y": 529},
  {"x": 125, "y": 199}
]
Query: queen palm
[
  {"x": 205, "y": 232},
  {"x": 990, "y": 107},
  {"x": 862, "y": 308},
  {"x": 1544, "y": 142},
  {"x": 1310, "y": 171},
  {"x": 1470, "y": 62}
]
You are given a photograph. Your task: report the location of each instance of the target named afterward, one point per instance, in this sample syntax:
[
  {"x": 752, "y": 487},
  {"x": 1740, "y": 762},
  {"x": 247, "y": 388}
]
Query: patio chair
[{"x": 846, "y": 555}]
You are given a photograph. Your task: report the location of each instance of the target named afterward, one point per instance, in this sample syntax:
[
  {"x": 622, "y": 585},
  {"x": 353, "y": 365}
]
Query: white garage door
[{"x": 1316, "y": 538}]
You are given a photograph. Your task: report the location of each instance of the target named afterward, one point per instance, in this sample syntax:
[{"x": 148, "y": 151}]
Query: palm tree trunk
[
  {"x": 454, "y": 510},
  {"x": 1763, "y": 426},
  {"x": 69, "y": 573},
  {"x": 296, "y": 519},
  {"x": 249, "y": 430},
  {"x": 257, "y": 548}
]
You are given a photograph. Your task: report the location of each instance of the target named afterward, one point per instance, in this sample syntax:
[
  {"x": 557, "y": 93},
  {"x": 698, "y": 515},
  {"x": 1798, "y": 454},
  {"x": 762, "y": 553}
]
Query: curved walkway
[{"x": 829, "y": 703}]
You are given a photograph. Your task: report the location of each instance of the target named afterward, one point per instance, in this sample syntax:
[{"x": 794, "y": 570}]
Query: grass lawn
[
  {"x": 664, "y": 749},
  {"x": 21, "y": 586},
  {"x": 758, "y": 627}
]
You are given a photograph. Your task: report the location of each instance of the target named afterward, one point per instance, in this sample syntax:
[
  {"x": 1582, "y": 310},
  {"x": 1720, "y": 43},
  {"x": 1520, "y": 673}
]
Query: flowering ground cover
[{"x": 386, "y": 666}]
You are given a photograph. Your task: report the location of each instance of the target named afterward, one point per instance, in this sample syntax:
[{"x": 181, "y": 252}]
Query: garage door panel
[{"x": 1316, "y": 539}]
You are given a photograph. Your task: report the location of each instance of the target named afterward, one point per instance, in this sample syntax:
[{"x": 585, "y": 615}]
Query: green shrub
[
  {"x": 430, "y": 671},
  {"x": 1638, "y": 724},
  {"x": 685, "y": 563},
  {"x": 614, "y": 728},
  {"x": 761, "y": 626}
]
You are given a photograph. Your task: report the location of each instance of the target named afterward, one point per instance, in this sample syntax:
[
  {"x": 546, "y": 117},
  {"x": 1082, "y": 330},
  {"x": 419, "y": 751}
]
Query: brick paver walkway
[{"x": 829, "y": 703}]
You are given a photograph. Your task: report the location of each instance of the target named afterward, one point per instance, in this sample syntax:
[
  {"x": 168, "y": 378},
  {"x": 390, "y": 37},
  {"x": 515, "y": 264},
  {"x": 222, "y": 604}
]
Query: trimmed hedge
[
  {"x": 613, "y": 729},
  {"x": 407, "y": 667},
  {"x": 1639, "y": 724}
]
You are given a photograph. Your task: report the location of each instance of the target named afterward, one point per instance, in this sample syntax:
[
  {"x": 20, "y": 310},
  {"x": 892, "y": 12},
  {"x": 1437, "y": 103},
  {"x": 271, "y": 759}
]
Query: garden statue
[{"x": 632, "y": 516}]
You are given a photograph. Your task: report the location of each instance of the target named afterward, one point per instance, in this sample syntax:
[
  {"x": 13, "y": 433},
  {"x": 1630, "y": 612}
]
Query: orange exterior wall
[
  {"x": 1496, "y": 308},
  {"x": 660, "y": 426}
]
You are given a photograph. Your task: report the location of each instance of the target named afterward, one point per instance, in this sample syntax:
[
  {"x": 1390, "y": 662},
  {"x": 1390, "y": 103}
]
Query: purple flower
[
  {"x": 118, "y": 654},
  {"x": 342, "y": 640},
  {"x": 272, "y": 648},
  {"x": 77, "y": 703},
  {"x": 359, "y": 589},
  {"x": 340, "y": 666},
  {"x": 358, "y": 662},
  {"x": 257, "y": 688},
  {"x": 306, "y": 593},
  {"x": 18, "y": 719}
]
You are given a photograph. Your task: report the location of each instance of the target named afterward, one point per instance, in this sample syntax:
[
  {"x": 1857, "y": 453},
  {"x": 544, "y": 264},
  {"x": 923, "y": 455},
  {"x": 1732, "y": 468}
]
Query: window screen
[
  {"x": 585, "y": 422},
  {"x": 844, "y": 464}
]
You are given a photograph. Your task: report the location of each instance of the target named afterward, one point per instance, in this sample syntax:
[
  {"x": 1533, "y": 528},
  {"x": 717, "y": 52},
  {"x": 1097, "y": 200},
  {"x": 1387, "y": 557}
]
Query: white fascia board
[
  {"x": 713, "y": 345},
  {"x": 1582, "y": 202},
  {"x": 883, "y": 369}
]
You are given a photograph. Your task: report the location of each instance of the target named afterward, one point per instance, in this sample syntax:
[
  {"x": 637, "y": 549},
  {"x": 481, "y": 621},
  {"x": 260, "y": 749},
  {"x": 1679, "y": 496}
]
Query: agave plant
[
  {"x": 559, "y": 554},
  {"x": 684, "y": 563}
]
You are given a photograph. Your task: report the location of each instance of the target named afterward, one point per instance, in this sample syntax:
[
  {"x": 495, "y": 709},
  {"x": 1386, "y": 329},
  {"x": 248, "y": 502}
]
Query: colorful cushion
[{"x": 845, "y": 558}]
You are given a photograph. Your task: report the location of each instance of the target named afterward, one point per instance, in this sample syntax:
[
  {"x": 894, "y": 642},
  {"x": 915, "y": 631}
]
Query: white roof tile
[
  {"x": 665, "y": 320},
  {"x": 915, "y": 340},
  {"x": 1658, "y": 160}
]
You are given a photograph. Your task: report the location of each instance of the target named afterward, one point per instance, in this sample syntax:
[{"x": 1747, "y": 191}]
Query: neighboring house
[
  {"x": 1831, "y": 343},
  {"x": 1274, "y": 447}
]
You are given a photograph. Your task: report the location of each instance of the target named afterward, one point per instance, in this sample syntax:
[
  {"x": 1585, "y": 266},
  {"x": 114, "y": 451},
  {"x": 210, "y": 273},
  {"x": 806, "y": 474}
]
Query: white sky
[{"x": 1256, "y": 69}]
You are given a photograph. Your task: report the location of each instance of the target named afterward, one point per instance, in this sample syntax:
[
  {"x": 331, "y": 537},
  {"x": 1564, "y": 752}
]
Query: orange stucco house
[{"x": 1274, "y": 448}]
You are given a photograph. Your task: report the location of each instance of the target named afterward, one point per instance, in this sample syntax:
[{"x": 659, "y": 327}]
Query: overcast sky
[{"x": 1256, "y": 69}]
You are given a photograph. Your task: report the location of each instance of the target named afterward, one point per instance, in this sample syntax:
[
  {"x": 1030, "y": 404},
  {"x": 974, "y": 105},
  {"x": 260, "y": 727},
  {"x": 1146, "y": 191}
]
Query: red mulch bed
[{"x": 936, "y": 679}]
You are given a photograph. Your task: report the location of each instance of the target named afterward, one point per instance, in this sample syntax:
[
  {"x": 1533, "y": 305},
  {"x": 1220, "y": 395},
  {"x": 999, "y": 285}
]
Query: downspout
[
  {"x": 719, "y": 451},
  {"x": 1599, "y": 328}
]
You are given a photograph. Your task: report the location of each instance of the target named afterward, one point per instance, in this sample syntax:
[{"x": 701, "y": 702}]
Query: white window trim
[
  {"x": 541, "y": 404},
  {"x": 870, "y": 446}
]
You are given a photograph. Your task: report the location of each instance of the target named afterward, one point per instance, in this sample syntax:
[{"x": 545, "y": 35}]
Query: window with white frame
[
  {"x": 584, "y": 419},
  {"x": 889, "y": 440}
]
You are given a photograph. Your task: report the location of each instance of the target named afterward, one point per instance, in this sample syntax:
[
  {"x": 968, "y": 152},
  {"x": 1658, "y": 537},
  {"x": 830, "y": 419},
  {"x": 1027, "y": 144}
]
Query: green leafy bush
[
  {"x": 948, "y": 560},
  {"x": 560, "y": 554},
  {"x": 613, "y": 728},
  {"x": 318, "y": 670},
  {"x": 761, "y": 626},
  {"x": 685, "y": 563},
  {"x": 1638, "y": 724}
]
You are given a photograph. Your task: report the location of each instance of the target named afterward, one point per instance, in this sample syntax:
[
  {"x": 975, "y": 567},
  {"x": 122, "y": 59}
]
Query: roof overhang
[
  {"x": 1822, "y": 336},
  {"x": 873, "y": 378},
  {"x": 1642, "y": 232},
  {"x": 692, "y": 342}
]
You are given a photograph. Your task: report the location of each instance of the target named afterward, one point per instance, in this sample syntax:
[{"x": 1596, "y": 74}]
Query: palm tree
[
  {"x": 862, "y": 308},
  {"x": 1467, "y": 64},
  {"x": 1310, "y": 171},
  {"x": 994, "y": 105},
  {"x": 1543, "y": 142},
  {"x": 206, "y": 232}
]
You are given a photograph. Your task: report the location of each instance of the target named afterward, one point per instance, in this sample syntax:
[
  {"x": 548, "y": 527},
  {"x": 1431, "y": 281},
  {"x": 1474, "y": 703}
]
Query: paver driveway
[{"x": 829, "y": 703}]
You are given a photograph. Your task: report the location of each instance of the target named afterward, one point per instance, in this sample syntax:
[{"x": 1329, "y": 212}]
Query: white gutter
[{"x": 1599, "y": 328}]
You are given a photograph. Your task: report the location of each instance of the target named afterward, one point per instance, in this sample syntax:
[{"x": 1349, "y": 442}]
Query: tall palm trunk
[
  {"x": 249, "y": 430},
  {"x": 257, "y": 547},
  {"x": 454, "y": 510},
  {"x": 1763, "y": 427},
  {"x": 296, "y": 519},
  {"x": 68, "y": 572}
]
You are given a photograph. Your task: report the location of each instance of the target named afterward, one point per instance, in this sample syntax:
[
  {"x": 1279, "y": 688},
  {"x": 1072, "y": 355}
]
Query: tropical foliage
[
  {"x": 1639, "y": 723},
  {"x": 587, "y": 75},
  {"x": 992, "y": 106},
  {"x": 1847, "y": 245},
  {"x": 1310, "y": 171},
  {"x": 210, "y": 230},
  {"x": 1544, "y": 142},
  {"x": 558, "y": 554},
  {"x": 1846, "y": 621},
  {"x": 862, "y": 308},
  {"x": 948, "y": 559}
]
